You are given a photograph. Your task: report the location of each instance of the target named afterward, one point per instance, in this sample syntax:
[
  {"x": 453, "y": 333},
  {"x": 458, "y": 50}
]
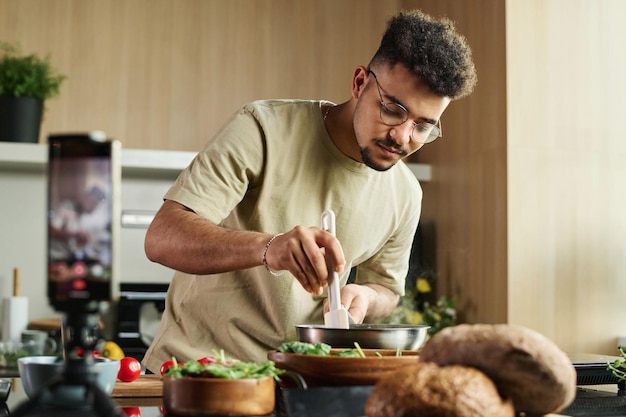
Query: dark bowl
[{"x": 368, "y": 336}]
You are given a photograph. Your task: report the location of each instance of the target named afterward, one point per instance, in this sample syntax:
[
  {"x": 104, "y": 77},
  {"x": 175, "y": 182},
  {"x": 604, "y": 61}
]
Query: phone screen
[{"x": 83, "y": 219}]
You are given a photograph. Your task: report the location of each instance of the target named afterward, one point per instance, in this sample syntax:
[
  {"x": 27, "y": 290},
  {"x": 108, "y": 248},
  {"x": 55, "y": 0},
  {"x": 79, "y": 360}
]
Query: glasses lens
[
  {"x": 393, "y": 114},
  {"x": 425, "y": 132}
]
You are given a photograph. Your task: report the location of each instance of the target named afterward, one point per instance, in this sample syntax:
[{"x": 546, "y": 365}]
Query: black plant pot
[{"x": 20, "y": 119}]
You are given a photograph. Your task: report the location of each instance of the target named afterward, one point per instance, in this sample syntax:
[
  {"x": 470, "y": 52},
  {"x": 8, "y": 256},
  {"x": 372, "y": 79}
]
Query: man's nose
[{"x": 401, "y": 134}]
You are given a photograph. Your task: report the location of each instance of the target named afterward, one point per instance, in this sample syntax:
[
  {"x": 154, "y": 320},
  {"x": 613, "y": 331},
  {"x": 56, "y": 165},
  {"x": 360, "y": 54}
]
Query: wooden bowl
[
  {"x": 193, "y": 396},
  {"x": 318, "y": 370}
]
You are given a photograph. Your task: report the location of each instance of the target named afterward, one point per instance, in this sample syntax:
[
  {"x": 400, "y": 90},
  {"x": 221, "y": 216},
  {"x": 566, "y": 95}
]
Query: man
[
  {"x": 241, "y": 225},
  {"x": 79, "y": 228}
]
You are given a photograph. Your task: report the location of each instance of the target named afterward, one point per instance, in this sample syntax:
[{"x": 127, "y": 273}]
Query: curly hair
[{"x": 432, "y": 50}]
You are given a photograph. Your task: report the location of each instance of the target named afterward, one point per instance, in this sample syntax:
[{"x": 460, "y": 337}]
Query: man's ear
[{"x": 359, "y": 81}]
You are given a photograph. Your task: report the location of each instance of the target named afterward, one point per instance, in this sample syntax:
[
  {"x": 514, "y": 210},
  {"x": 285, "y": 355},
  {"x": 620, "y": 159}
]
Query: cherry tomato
[
  {"x": 166, "y": 365},
  {"x": 207, "y": 359},
  {"x": 131, "y": 411},
  {"x": 130, "y": 369}
]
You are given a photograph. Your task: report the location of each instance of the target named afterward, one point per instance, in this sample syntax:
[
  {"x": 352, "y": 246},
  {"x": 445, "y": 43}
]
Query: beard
[{"x": 375, "y": 165}]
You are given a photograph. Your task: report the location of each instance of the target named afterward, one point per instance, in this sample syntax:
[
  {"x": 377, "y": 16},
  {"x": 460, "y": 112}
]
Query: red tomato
[
  {"x": 207, "y": 359},
  {"x": 166, "y": 365},
  {"x": 131, "y": 411},
  {"x": 130, "y": 369}
]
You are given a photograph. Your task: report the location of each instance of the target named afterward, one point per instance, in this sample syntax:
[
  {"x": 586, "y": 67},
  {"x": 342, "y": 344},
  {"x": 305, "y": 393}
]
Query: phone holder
[{"x": 84, "y": 175}]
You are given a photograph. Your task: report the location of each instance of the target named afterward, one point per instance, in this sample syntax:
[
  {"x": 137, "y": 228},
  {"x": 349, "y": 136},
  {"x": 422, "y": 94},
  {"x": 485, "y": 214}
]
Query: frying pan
[{"x": 368, "y": 336}]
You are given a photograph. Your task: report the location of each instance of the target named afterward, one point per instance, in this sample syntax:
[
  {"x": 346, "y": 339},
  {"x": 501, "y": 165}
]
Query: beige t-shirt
[{"x": 271, "y": 167}]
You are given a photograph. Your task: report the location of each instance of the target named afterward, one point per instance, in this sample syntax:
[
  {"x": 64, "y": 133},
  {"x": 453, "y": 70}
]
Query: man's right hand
[{"x": 302, "y": 251}]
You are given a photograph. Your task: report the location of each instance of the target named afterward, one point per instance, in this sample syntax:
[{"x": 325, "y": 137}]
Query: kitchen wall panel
[
  {"x": 566, "y": 170},
  {"x": 164, "y": 74},
  {"x": 466, "y": 198}
]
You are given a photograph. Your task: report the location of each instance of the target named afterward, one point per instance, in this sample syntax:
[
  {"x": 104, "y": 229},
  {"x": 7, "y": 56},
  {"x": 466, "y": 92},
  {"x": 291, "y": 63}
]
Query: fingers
[
  {"x": 358, "y": 310},
  {"x": 303, "y": 251},
  {"x": 354, "y": 300},
  {"x": 309, "y": 253}
]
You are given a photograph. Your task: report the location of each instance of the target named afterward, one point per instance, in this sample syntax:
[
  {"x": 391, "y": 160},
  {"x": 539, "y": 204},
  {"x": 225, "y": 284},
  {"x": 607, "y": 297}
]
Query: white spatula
[{"x": 337, "y": 316}]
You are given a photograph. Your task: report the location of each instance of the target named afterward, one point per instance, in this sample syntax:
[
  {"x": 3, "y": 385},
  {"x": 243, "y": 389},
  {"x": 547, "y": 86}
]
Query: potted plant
[{"x": 26, "y": 81}]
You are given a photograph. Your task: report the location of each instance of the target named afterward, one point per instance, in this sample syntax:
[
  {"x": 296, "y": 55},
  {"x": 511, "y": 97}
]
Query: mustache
[{"x": 391, "y": 144}]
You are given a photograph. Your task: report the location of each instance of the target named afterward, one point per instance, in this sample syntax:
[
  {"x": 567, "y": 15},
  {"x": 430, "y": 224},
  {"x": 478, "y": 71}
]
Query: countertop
[{"x": 143, "y": 397}]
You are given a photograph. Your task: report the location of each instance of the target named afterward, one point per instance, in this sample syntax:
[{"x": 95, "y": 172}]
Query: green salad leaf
[
  {"x": 322, "y": 349},
  {"x": 224, "y": 368},
  {"x": 305, "y": 348}
]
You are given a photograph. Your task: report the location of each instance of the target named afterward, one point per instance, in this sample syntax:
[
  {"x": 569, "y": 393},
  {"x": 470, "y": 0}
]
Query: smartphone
[{"x": 84, "y": 179}]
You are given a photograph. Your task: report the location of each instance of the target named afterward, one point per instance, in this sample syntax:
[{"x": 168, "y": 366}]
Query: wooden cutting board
[{"x": 145, "y": 386}]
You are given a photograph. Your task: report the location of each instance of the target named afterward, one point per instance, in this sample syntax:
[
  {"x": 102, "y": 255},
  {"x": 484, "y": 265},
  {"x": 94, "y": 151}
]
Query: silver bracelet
[{"x": 267, "y": 246}]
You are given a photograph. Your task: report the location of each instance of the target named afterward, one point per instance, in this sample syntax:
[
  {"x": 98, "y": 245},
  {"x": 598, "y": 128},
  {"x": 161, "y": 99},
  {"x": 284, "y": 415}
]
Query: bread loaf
[
  {"x": 428, "y": 390},
  {"x": 526, "y": 367}
]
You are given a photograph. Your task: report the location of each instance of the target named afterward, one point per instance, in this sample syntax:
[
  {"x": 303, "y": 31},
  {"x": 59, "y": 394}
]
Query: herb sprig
[
  {"x": 618, "y": 367},
  {"x": 8, "y": 358}
]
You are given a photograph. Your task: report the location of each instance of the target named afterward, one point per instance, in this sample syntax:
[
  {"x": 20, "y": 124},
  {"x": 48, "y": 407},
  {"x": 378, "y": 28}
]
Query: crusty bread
[
  {"x": 428, "y": 390},
  {"x": 525, "y": 365}
]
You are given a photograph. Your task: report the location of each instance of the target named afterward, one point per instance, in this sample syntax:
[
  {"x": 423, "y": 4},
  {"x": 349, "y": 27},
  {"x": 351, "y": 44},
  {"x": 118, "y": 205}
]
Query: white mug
[{"x": 43, "y": 343}]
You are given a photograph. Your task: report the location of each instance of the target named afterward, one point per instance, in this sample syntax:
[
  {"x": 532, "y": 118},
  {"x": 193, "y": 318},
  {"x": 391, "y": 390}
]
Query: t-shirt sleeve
[{"x": 223, "y": 171}]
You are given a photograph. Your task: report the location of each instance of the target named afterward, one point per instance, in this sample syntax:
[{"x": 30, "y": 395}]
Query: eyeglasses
[{"x": 394, "y": 114}]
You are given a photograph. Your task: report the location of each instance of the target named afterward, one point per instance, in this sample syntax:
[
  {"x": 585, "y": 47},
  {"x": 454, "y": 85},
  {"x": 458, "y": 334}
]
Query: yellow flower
[
  {"x": 414, "y": 317},
  {"x": 422, "y": 285}
]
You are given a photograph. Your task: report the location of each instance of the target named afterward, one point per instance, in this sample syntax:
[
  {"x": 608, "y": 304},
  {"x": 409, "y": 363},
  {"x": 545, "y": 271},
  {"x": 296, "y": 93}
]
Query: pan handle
[{"x": 296, "y": 378}]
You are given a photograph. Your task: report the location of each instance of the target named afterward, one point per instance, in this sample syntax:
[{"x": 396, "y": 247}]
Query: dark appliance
[{"x": 135, "y": 300}]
